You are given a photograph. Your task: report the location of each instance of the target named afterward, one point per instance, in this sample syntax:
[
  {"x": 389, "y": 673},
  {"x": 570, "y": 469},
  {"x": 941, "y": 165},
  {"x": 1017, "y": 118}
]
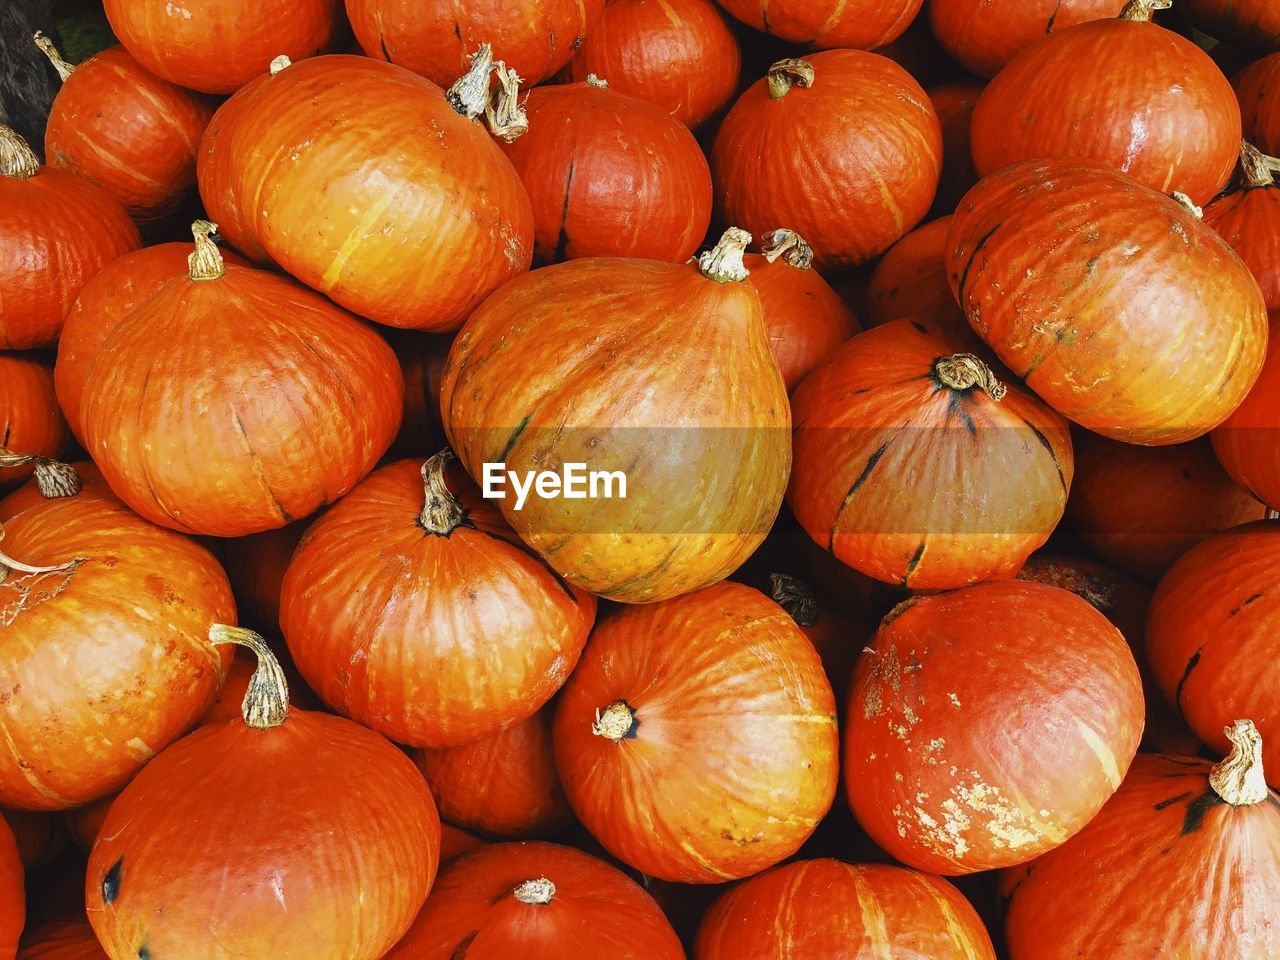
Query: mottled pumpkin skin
[
  {"x": 326, "y": 833},
  {"x": 1113, "y": 302},
  {"x": 911, "y": 281},
  {"x": 605, "y": 362},
  {"x": 865, "y": 24},
  {"x": 1249, "y": 220},
  {"x": 732, "y": 758},
  {"x": 69, "y": 940},
  {"x": 826, "y": 908},
  {"x": 30, "y": 421},
  {"x": 1166, "y": 869},
  {"x": 850, "y": 163},
  {"x": 13, "y": 907},
  {"x": 1252, "y": 24},
  {"x": 931, "y": 769},
  {"x": 1247, "y": 444},
  {"x": 1257, "y": 89}
]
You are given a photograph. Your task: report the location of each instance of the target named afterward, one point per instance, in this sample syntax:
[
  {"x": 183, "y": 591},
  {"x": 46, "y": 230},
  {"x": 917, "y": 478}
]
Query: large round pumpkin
[
  {"x": 56, "y": 232},
  {"x": 825, "y": 908},
  {"x": 1114, "y": 303},
  {"x": 1252, "y": 24},
  {"x": 989, "y": 466},
  {"x": 1184, "y": 861},
  {"x": 1247, "y": 444},
  {"x": 606, "y": 362},
  {"x": 610, "y": 175},
  {"x": 955, "y": 708},
  {"x": 69, "y": 940},
  {"x": 1249, "y": 219},
  {"x": 1257, "y": 89},
  {"x": 13, "y": 907},
  {"x": 953, "y": 102},
  {"x": 697, "y": 738},
  {"x": 234, "y": 401},
  {"x": 843, "y": 147},
  {"x": 828, "y": 23},
  {"x": 444, "y": 221},
  {"x": 417, "y": 611},
  {"x": 328, "y": 830},
  {"x": 911, "y": 281},
  {"x": 30, "y": 421}
]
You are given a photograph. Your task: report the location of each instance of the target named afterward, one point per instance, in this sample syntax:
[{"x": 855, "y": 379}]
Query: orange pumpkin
[
  {"x": 422, "y": 359},
  {"x": 1252, "y": 24},
  {"x": 454, "y": 842},
  {"x": 1246, "y": 444},
  {"x": 953, "y": 102},
  {"x": 41, "y": 836},
  {"x": 83, "y": 823},
  {"x": 836, "y": 636},
  {"x": 1257, "y": 88},
  {"x": 911, "y": 281},
  {"x": 13, "y": 908},
  {"x": 1249, "y": 219},
  {"x": 70, "y": 940},
  {"x": 256, "y": 565},
  {"x": 30, "y": 421},
  {"x": 828, "y": 23}
]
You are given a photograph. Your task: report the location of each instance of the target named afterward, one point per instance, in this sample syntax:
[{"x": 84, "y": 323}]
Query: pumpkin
[
  {"x": 56, "y": 232},
  {"x": 610, "y": 175},
  {"x": 1196, "y": 842},
  {"x": 504, "y": 785},
  {"x": 836, "y": 636},
  {"x": 1246, "y": 444},
  {"x": 411, "y": 607},
  {"x": 605, "y": 362},
  {"x": 535, "y": 901},
  {"x": 821, "y": 908},
  {"x": 911, "y": 281},
  {"x": 1252, "y": 24},
  {"x": 420, "y": 245},
  {"x": 953, "y": 102},
  {"x": 30, "y": 421},
  {"x": 828, "y": 23},
  {"x": 328, "y": 829},
  {"x": 955, "y": 707},
  {"x": 40, "y": 836},
  {"x": 13, "y": 908},
  {"x": 119, "y": 126},
  {"x": 843, "y": 147},
  {"x": 102, "y": 656},
  {"x": 226, "y": 706},
  {"x": 1068, "y": 271},
  {"x": 697, "y": 738},
  {"x": 422, "y": 359},
  {"x": 217, "y": 46},
  {"x": 984, "y": 35},
  {"x": 1249, "y": 217},
  {"x": 69, "y": 940},
  {"x": 1141, "y": 508},
  {"x": 1257, "y": 88},
  {"x": 256, "y": 565},
  {"x": 307, "y": 398},
  {"x": 990, "y": 466},
  {"x": 454, "y": 842},
  {"x": 1122, "y": 92},
  {"x": 83, "y": 823}
]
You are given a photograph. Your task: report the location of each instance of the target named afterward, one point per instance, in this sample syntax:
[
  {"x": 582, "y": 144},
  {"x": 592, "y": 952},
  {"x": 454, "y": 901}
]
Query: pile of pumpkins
[{"x": 939, "y": 617}]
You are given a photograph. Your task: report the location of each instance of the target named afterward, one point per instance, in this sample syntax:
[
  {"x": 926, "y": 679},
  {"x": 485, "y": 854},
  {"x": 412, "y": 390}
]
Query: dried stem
[{"x": 266, "y": 702}]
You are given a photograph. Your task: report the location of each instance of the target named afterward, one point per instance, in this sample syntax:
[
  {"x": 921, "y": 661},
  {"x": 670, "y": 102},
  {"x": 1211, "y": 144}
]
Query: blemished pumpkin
[
  {"x": 610, "y": 175},
  {"x": 56, "y": 232},
  {"x": 256, "y": 565},
  {"x": 843, "y": 147},
  {"x": 956, "y": 704},
  {"x": 1068, "y": 271},
  {"x": 30, "y": 422},
  {"x": 66, "y": 940},
  {"x": 1248, "y": 218},
  {"x": 697, "y": 738},
  {"x": 605, "y": 362},
  {"x": 911, "y": 281},
  {"x": 1251, "y": 24},
  {"x": 1199, "y": 841},
  {"x": 990, "y": 465},
  {"x": 1247, "y": 444},
  {"x": 297, "y": 400},
  {"x": 328, "y": 829},
  {"x": 13, "y": 906},
  {"x": 411, "y": 607},
  {"x": 1257, "y": 87},
  {"x": 865, "y": 24},
  {"x": 826, "y": 908}
]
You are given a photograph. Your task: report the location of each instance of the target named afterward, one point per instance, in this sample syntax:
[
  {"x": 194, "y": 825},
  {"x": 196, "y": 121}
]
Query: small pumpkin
[
  {"x": 13, "y": 907},
  {"x": 69, "y": 940},
  {"x": 306, "y": 810},
  {"x": 953, "y": 102},
  {"x": 1251, "y": 24},
  {"x": 454, "y": 842},
  {"x": 1249, "y": 219},
  {"x": 1257, "y": 88},
  {"x": 256, "y": 565},
  {"x": 1246, "y": 443},
  {"x": 866, "y": 24},
  {"x": 41, "y": 835},
  {"x": 422, "y": 359},
  {"x": 30, "y": 421},
  {"x": 911, "y": 281}
]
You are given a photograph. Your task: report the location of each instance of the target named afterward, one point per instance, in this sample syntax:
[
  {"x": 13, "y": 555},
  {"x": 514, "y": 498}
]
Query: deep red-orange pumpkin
[
  {"x": 454, "y": 841},
  {"x": 826, "y": 908},
  {"x": 102, "y": 663},
  {"x": 697, "y": 738},
  {"x": 953, "y": 102},
  {"x": 1249, "y": 219},
  {"x": 610, "y": 175},
  {"x": 1247, "y": 444},
  {"x": 1252, "y": 24},
  {"x": 989, "y": 465},
  {"x": 422, "y": 359},
  {"x": 1200, "y": 842},
  {"x": 955, "y": 708},
  {"x": 1067, "y": 271},
  {"x": 445, "y": 221},
  {"x": 30, "y": 421},
  {"x": 56, "y": 232},
  {"x": 68, "y": 940},
  {"x": 828, "y": 23},
  {"x": 911, "y": 281},
  {"x": 234, "y": 401},
  {"x": 1123, "y": 92},
  {"x": 83, "y": 823},
  {"x": 256, "y": 565},
  {"x": 13, "y": 907},
  {"x": 41, "y": 835},
  {"x": 428, "y": 622},
  {"x": 843, "y": 147},
  {"x": 837, "y": 636},
  {"x": 1257, "y": 89}
]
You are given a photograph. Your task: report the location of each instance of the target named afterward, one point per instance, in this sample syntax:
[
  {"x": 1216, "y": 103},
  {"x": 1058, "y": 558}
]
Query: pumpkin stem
[
  {"x": 598, "y": 82},
  {"x": 470, "y": 93},
  {"x": 9, "y": 565},
  {"x": 441, "y": 511},
  {"x": 1141, "y": 11},
  {"x": 795, "y": 597},
  {"x": 205, "y": 263},
  {"x": 281, "y": 62},
  {"x": 723, "y": 264},
  {"x": 617, "y": 721},
  {"x": 964, "y": 371},
  {"x": 535, "y": 892},
  {"x": 17, "y": 160},
  {"x": 266, "y": 702},
  {"x": 1273, "y": 514},
  {"x": 1190, "y": 205},
  {"x": 1256, "y": 166},
  {"x": 788, "y": 245},
  {"x": 504, "y": 113},
  {"x": 49, "y": 50},
  {"x": 55, "y": 480},
  {"x": 785, "y": 74},
  {"x": 1239, "y": 779}
]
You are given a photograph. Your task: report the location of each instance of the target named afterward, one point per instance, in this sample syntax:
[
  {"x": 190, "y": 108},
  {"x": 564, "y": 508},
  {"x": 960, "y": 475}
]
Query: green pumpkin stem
[
  {"x": 266, "y": 702},
  {"x": 441, "y": 511},
  {"x": 49, "y": 50},
  {"x": 17, "y": 160}
]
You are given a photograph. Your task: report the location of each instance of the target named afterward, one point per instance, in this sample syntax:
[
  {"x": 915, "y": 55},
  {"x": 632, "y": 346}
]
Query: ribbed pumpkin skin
[
  {"x": 826, "y": 908},
  {"x": 988, "y": 480},
  {"x": 13, "y": 907},
  {"x": 217, "y": 46},
  {"x": 850, "y": 163},
  {"x": 328, "y": 831},
  {"x": 1246, "y": 444},
  {"x": 70, "y": 940},
  {"x": 217, "y": 172},
  {"x": 1257, "y": 88},
  {"x": 430, "y": 640},
  {"x": 1166, "y": 869},
  {"x": 118, "y": 657},
  {"x": 119, "y": 126},
  {"x": 953, "y": 102},
  {"x": 420, "y": 245},
  {"x": 435, "y": 38},
  {"x": 1132, "y": 96},
  {"x": 597, "y": 911},
  {"x": 256, "y": 565},
  {"x": 677, "y": 54},
  {"x": 297, "y": 400},
  {"x": 30, "y": 421},
  {"x": 984, "y": 35},
  {"x": 622, "y": 350},
  {"x": 911, "y": 281},
  {"x": 732, "y": 758},
  {"x": 1114, "y": 303},
  {"x": 1252, "y": 24},
  {"x": 1249, "y": 220},
  {"x": 866, "y": 24},
  {"x": 932, "y": 770},
  {"x": 610, "y": 175}
]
